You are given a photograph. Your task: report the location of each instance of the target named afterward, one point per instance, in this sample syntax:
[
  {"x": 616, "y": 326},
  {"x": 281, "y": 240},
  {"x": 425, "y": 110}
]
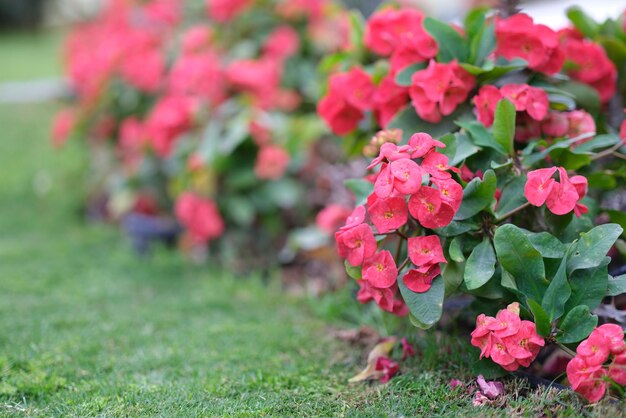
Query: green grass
[
  {"x": 27, "y": 55},
  {"x": 88, "y": 329}
]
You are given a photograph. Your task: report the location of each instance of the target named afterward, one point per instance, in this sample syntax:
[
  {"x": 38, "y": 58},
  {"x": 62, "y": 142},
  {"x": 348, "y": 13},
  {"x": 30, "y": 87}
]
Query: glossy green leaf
[
  {"x": 404, "y": 76},
  {"x": 583, "y": 22},
  {"x": 589, "y": 286},
  {"x": 576, "y": 325},
  {"x": 409, "y": 122},
  {"x": 455, "y": 250},
  {"x": 481, "y": 136},
  {"x": 426, "y": 307},
  {"x": 542, "y": 321},
  {"x": 616, "y": 285},
  {"x": 354, "y": 272},
  {"x": 593, "y": 246},
  {"x": 512, "y": 196},
  {"x": 478, "y": 195},
  {"x": 519, "y": 257},
  {"x": 504, "y": 125},
  {"x": 557, "y": 293},
  {"x": 450, "y": 42},
  {"x": 480, "y": 266},
  {"x": 547, "y": 244}
]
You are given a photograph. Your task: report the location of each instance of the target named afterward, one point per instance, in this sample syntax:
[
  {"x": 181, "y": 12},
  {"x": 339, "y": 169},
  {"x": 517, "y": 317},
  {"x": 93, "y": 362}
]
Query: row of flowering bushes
[
  {"x": 496, "y": 161},
  {"x": 488, "y": 155},
  {"x": 205, "y": 111}
]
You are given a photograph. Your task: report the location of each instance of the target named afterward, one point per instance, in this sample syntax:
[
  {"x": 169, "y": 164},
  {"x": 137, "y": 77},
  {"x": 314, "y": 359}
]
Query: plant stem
[
  {"x": 567, "y": 350},
  {"x": 399, "y": 249},
  {"x": 512, "y": 212},
  {"x": 607, "y": 152},
  {"x": 403, "y": 265}
]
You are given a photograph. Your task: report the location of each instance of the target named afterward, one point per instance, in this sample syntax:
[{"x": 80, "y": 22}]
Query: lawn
[{"x": 87, "y": 328}]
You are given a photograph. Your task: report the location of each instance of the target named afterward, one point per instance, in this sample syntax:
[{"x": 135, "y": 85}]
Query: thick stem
[{"x": 512, "y": 212}]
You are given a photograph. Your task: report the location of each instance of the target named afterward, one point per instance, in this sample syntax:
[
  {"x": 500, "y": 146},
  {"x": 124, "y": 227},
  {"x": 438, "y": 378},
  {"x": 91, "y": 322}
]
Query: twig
[
  {"x": 512, "y": 212},
  {"x": 403, "y": 265},
  {"x": 607, "y": 152},
  {"x": 567, "y": 350}
]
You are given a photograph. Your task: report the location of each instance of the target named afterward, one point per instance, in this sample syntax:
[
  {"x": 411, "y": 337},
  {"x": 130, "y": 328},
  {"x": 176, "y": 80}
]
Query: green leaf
[
  {"x": 426, "y": 307},
  {"x": 616, "y": 286},
  {"x": 583, "y": 22},
  {"x": 478, "y": 195},
  {"x": 593, "y": 246},
  {"x": 512, "y": 196},
  {"x": 547, "y": 244},
  {"x": 354, "y": 272},
  {"x": 586, "y": 96},
  {"x": 457, "y": 228},
  {"x": 589, "y": 286},
  {"x": 452, "y": 274},
  {"x": 404, "y": 76},
  {"x": 481, "y": 136},
  {"x": 557, "y": 293},
  {"x": 361, "y": 189},
  {"x": 455, "y": 250},
  {"x": 408, "y": 121},
  {"x": 576, "y": 325},
  {"x": 597, "y": 142},
  {"x": 458, "y": 148},
  {"x": 450, "y": 42},
  {"x": 519, "y": 257},
  {"x": 480, "y": 266},
  {"x": 504, "y": 125},
  {"x": 542, "y": 321},
  {"x": 488, "y": 369},
  {"x": 483, "y": 44}
]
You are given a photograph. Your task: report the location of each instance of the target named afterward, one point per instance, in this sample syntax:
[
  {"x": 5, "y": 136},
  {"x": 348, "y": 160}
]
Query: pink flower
[
  {"x": 420, "y": 282},
  {"x": 437, "y": 90},
  {"x": 199, "y": 216},
  {"x": 271, "y": 162},
  {"x": 555, "y": 125},
  {"x": 356, "y": 244},
  {"x": 388, "y": 28},
  {"x": 622, "y": 132},
  {"x": 532, "y": 100},
  {"x": 223, "y": 11},
  {"x": 282, "y": 43},
  {"x": 519, "y": 37},
  {"x": 144, "y": 69},
  {"x": 386, "y": 298},
  {"x": 349, "y": 96},
  {"x": 258, "y": 77},
  {"x": 196, "y": 39},
  {"x": 388, "y": 367},
  {"x": 199, "y": 75},
  {"x": 389, "y": 99},
  {"x": 486, "y": 101},
  {"x": 560, "y": 197},
  {"x": 428, "y": 208},
  {"x": 422, "y": 143},
  {"x": 490, "y": 389},
  {"x": 171, "y": 116},
  {"x": 539, "y": 185},
  {"x": 587, "y": 62},
  {"x": 332, "y": 217},
  {"x": 506, "y": 339},
  {"x": 425, "y": 251},
  {"x": 380, "y": 270},
  {"x": 580, "y": 122},
  {"x": 455, "y": 383},
  {"x": 62, "y": 126},
  {"x": 388, "y": 214},
  {"x": 408, "y": 350}
]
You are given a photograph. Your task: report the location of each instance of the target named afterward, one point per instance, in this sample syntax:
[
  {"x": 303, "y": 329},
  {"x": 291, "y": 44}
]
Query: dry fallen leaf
[{"x": 370, "y": 372}]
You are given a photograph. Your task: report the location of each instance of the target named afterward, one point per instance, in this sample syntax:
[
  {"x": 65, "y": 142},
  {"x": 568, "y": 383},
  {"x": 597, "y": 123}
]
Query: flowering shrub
[
  {"x": 492, "y": 160},
  {"x": 206, "y": 109}
]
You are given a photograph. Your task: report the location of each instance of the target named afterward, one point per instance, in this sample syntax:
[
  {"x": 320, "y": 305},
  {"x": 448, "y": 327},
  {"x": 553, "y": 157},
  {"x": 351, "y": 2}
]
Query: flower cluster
[
  {"x": 561, "y": 197},
  {"x": 199, "y": 216},
  {"x": 401, "y": 193},
  {"x": 588, "y": 372},
  {"x": 506, "y": 339},
  {"x": 532, "y": 101}
]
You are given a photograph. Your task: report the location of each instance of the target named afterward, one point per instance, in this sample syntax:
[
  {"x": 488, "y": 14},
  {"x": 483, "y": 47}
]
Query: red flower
[
  {"x": 425, "y": 251},
  {"x": 62, "y": 126},
  {"x": 427, "y": 207},
  {"x": 388, "y": 367},
  {"x": 564, "y": 196},
  {"x": 356, "y": 244},
  {"x": 388, "y": 214},
  {"x": 388, "y": 100},
  {"x": 349, "y": 95},
  {"x": 196, "y": 39},
  {"x": 450, "y": 192},
  {"x": 622, "y": 132},
  {"x": 555, "y": 125},
  {"x": 579, "y": 123},
  {"x": 271, "y": 162},
  {"x": 408, "y": 350},
  {"x": 380, "y": 270},
  {"x": 420, "y": 282},
  {"x": 421, "y": 144},
  {"x": 200, "y": 216},
  {"x": 200, "y": 75},
  {"x": 518, "y": 37},
  {"x": 532, "y": 100},
  {"x": 437, "y": 90}
]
